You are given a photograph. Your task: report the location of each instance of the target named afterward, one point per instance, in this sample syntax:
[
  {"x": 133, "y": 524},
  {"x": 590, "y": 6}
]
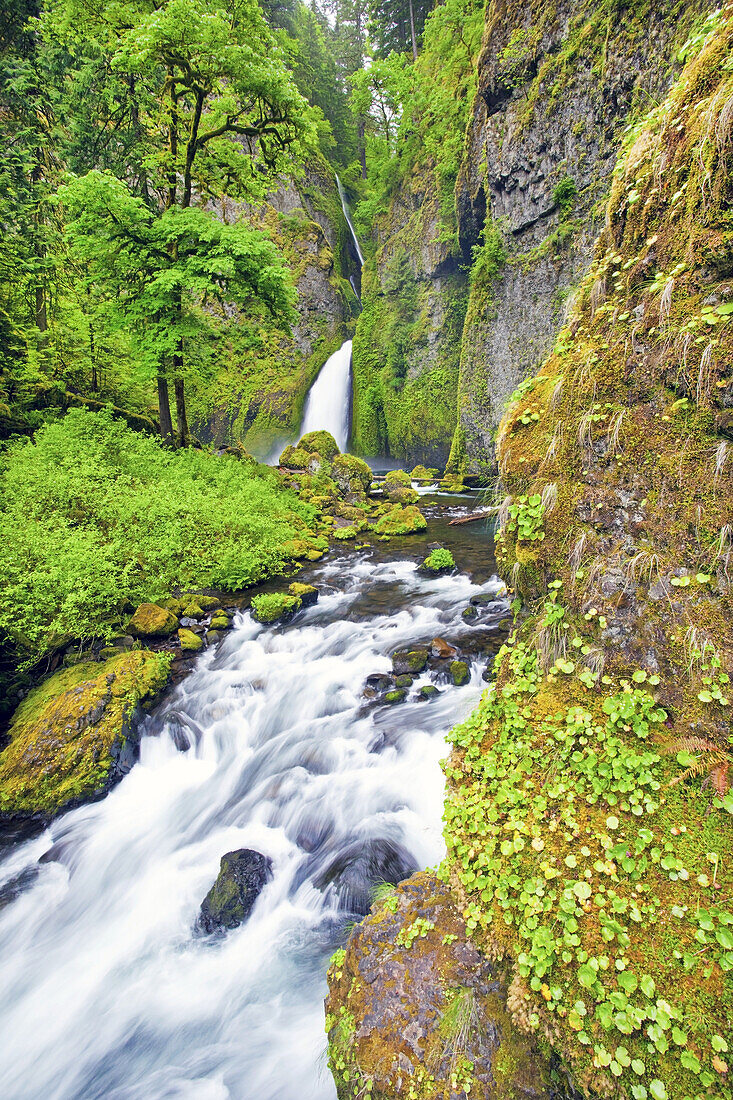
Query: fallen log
[{"x": 472, "y": 517}]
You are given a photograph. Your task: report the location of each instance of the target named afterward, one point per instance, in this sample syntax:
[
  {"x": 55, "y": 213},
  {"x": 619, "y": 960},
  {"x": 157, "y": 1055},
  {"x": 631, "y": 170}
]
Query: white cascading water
[
  {"x": 328, "y": 403},
  {"x": 105, "y": 991},
  {"x": 347, "y": 215}
]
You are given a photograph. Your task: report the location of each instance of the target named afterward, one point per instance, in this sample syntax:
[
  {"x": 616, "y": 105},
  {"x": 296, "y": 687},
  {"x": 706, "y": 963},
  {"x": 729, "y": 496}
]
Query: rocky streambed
[{"x": 281, "y": 741}]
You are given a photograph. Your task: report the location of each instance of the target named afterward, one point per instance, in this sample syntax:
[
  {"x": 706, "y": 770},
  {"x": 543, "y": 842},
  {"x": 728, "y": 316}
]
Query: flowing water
[
  {"x": 270, "y": 743},
  {"x": 328, "y": 405},
  {"x": 347, "y": 215}
]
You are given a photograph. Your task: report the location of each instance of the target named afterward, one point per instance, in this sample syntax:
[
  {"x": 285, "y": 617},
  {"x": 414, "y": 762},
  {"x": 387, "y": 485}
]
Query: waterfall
[
  {"x": 105, "y": 991},
  {"x": 347, "y": 215},
  {"x": 328, "y": 405}
]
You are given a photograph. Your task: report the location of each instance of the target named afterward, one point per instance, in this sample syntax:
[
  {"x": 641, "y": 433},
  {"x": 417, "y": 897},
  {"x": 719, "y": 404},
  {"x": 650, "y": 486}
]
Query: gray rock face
[
  {"x": 230, "y": 900},
  {"x": 552, "y": 104}
]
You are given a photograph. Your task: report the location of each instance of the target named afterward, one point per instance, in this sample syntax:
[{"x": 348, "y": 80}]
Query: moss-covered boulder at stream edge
[
  {"x": 189, "y": 641},
  {"x": 75, "y": 734},
  {"x": 152, "y": 621},
  {"x": 589, "y": 811},
  {"x": 440, "y": 560},
  {"x": 272, "y": 607},
  {"x": 414, "y": 1006},
  {"x": 306, "y": 593}
]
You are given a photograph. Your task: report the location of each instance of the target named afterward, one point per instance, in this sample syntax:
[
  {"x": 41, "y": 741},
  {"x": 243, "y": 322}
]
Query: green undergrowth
[
  {"x": 96, "y": 518},
  {"x": 588, "y": 817}
]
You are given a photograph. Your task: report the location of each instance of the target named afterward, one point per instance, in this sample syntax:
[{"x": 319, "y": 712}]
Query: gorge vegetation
[{"x": 543, "y": 196}]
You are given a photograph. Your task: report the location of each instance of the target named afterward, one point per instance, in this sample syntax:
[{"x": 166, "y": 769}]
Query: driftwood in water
[{"x": 472, "y": 517}]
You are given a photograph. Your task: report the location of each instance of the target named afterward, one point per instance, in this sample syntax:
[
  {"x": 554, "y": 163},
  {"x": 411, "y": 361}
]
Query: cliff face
[
  {"x": 590, "y": 796},
  {"x": 557, "y": 85},
  {"x": 255, "y": 396},
  {"x": 407, "y": 343}
]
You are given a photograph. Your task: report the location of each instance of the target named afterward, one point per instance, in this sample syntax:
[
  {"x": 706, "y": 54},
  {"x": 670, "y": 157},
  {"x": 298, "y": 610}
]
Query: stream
[{"x": 270, "y": 743}]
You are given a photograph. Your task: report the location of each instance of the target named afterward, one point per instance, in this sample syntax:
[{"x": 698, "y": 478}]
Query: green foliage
[
  {"x": 439, "y": 560},
  {"x": 95, "y": 516},
  {"x": 271, "y": 606},
  {"x": 563, "y": 195}
]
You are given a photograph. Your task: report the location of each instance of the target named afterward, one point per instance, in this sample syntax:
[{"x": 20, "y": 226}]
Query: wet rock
[
  {"x": 77, "y": 733},
  {"x": 397, "y": 696},
  {"x": 220, "y": 621},
  {"x": 460, "y": 673},
  {"x": 229, "y": 902},
  {"x": 212, "y": 637},
  {"x": 360, "y": 867},
  {"x": 152, "y": 621},
  {"x": 306, "y": 593},
  {"x": 403, "y": 681},
  {"x": 442, "y": 649},
  {"x": 272, "y": 607},
  {"x": 379, "y": 682},
  {"x": 429, "y": 691},
  {"x": 409, "y": 660},
  {"x": 470, "y": 614},
  {"x": 409, "y": 968},
  {"x": 189, "y": 641}
]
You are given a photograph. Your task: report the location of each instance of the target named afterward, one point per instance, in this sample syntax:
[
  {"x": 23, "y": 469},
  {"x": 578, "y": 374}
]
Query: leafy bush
[
  {"x": 268, "y": 607},
  {"x": 96, "y": 517}
]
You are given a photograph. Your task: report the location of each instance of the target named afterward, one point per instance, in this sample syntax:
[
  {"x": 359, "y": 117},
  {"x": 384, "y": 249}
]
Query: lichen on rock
[{"x": 76, "y": 733}]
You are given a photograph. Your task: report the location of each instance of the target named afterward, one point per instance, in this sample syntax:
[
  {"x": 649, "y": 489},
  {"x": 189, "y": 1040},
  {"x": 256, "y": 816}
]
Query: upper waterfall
[
  {"x": 328, "y": 404},
  {"x": 347, "y": 215}
]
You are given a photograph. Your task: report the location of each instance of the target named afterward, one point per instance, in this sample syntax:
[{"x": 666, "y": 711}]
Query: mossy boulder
[
  {"x": 452, "y": 483},
  {"x": 398, "y": 695},
  {"x": 76, "y": 733},
  {"x": 345, "y": 533},
  {"x": 193, "y": 611},
  {"x": 296, "y": 458},
  {"x": 272, "y": 607},
  {"x": 401, "y": 521},
  {"x": 206, "y": 603},
  {"x": 189, "y": 641},
  {"x": 429, "y": 691},
  {"x": 412, "y": 1000},
  {"x": 321, "y": 443},
  {"x": 306, "y": 593},
  {"x": 421, "y": 473},
  {"x": 409, "y": 661},
  {"x": 460, "y": 673},
  {"x": 242, "y": 876},
  {"x": 351, "y": 474},
  {"x": 220, "y": 621},
  {"x": 152, "y": 621},
  {"x": 398, "y": 488}
]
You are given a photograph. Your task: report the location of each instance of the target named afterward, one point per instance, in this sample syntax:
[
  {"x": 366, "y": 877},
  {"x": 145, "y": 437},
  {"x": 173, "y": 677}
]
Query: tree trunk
[
  {"x": 181, "y": 418},
  {"x": 41, "y": 314},
  {"x": 412, "y": 32},
  {"x": 164, "y": 409}
]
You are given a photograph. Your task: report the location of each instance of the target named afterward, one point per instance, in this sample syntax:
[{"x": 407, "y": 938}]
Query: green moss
[
  {"x": 351, "y": 474},
  {"x": 400, "y": 521},
  {"x": 439, "y": 560},
  {"x": 65, "y": 736},
  {"x": 306, "y": 593},
  {"x": 270, "y": 607},
  {"x": 321, "y": 443},
  {"x": 152, "y": 621},
  {"x": 190, "y": 641}
]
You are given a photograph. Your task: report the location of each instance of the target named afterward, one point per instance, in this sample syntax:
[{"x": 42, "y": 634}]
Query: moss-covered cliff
[
  {"x": 588, "y": 813},
  {"x": 255, "y": 396},
  {"x": 557, "y": 84}
]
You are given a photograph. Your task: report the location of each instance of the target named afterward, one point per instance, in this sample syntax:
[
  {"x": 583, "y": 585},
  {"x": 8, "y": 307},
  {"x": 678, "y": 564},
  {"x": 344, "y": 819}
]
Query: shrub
[
  {"x": 96, "y": 517},
  {"x": 439, "y": 560}
]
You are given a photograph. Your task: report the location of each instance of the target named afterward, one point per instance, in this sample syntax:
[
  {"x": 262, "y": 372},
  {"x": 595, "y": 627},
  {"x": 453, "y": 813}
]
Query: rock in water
[{"x": 230, "y": 900}]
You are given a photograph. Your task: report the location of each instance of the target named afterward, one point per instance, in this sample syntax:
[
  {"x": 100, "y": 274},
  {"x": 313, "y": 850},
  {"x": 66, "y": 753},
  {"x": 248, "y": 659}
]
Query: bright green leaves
[{"x": 525, "y": 517}]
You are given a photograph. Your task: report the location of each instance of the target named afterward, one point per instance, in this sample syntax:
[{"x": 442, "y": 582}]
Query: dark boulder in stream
[
  {"x": 361, "y": 867},
  {"x": 229, "y": 902}
]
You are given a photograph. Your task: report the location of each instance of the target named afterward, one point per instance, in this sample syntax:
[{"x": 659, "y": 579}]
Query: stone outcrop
[{"x": 558, "y": 84}]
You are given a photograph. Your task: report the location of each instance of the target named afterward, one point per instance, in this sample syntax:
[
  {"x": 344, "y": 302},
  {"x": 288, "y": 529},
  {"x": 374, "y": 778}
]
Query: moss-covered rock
[
  {"x": 271, "y": 607},
  {"x": 415, "y": 1010},
  {"x": 401, "y": 521},
  {"x": 76, "y": 734},
  {"x": 344, "y": 533},
  {"x": 409, "y": 661},
  {"x": 398, "y": 695},
  {"x": 152, "y": 621},
  {"x": 296, "y": 458},
  {"x": 242, "y": 876},
  {"x": 189, "y": 641},
  {"x": 306, "y": 593},
  {"x": 422, "y": 473},
  {"x": 440, "y": 560},
  {"x": 220, "y": 621},
  {"x": 321, "y": 443},
  {"x": 351, "y": 474},
  {"x": 460, "y": 673}
]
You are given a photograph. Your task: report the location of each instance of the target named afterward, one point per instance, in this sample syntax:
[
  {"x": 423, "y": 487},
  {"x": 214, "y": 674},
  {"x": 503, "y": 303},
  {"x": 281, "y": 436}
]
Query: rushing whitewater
[
  {"x": 105, "y": 991},
  {"x": 328, "y": 403}
]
